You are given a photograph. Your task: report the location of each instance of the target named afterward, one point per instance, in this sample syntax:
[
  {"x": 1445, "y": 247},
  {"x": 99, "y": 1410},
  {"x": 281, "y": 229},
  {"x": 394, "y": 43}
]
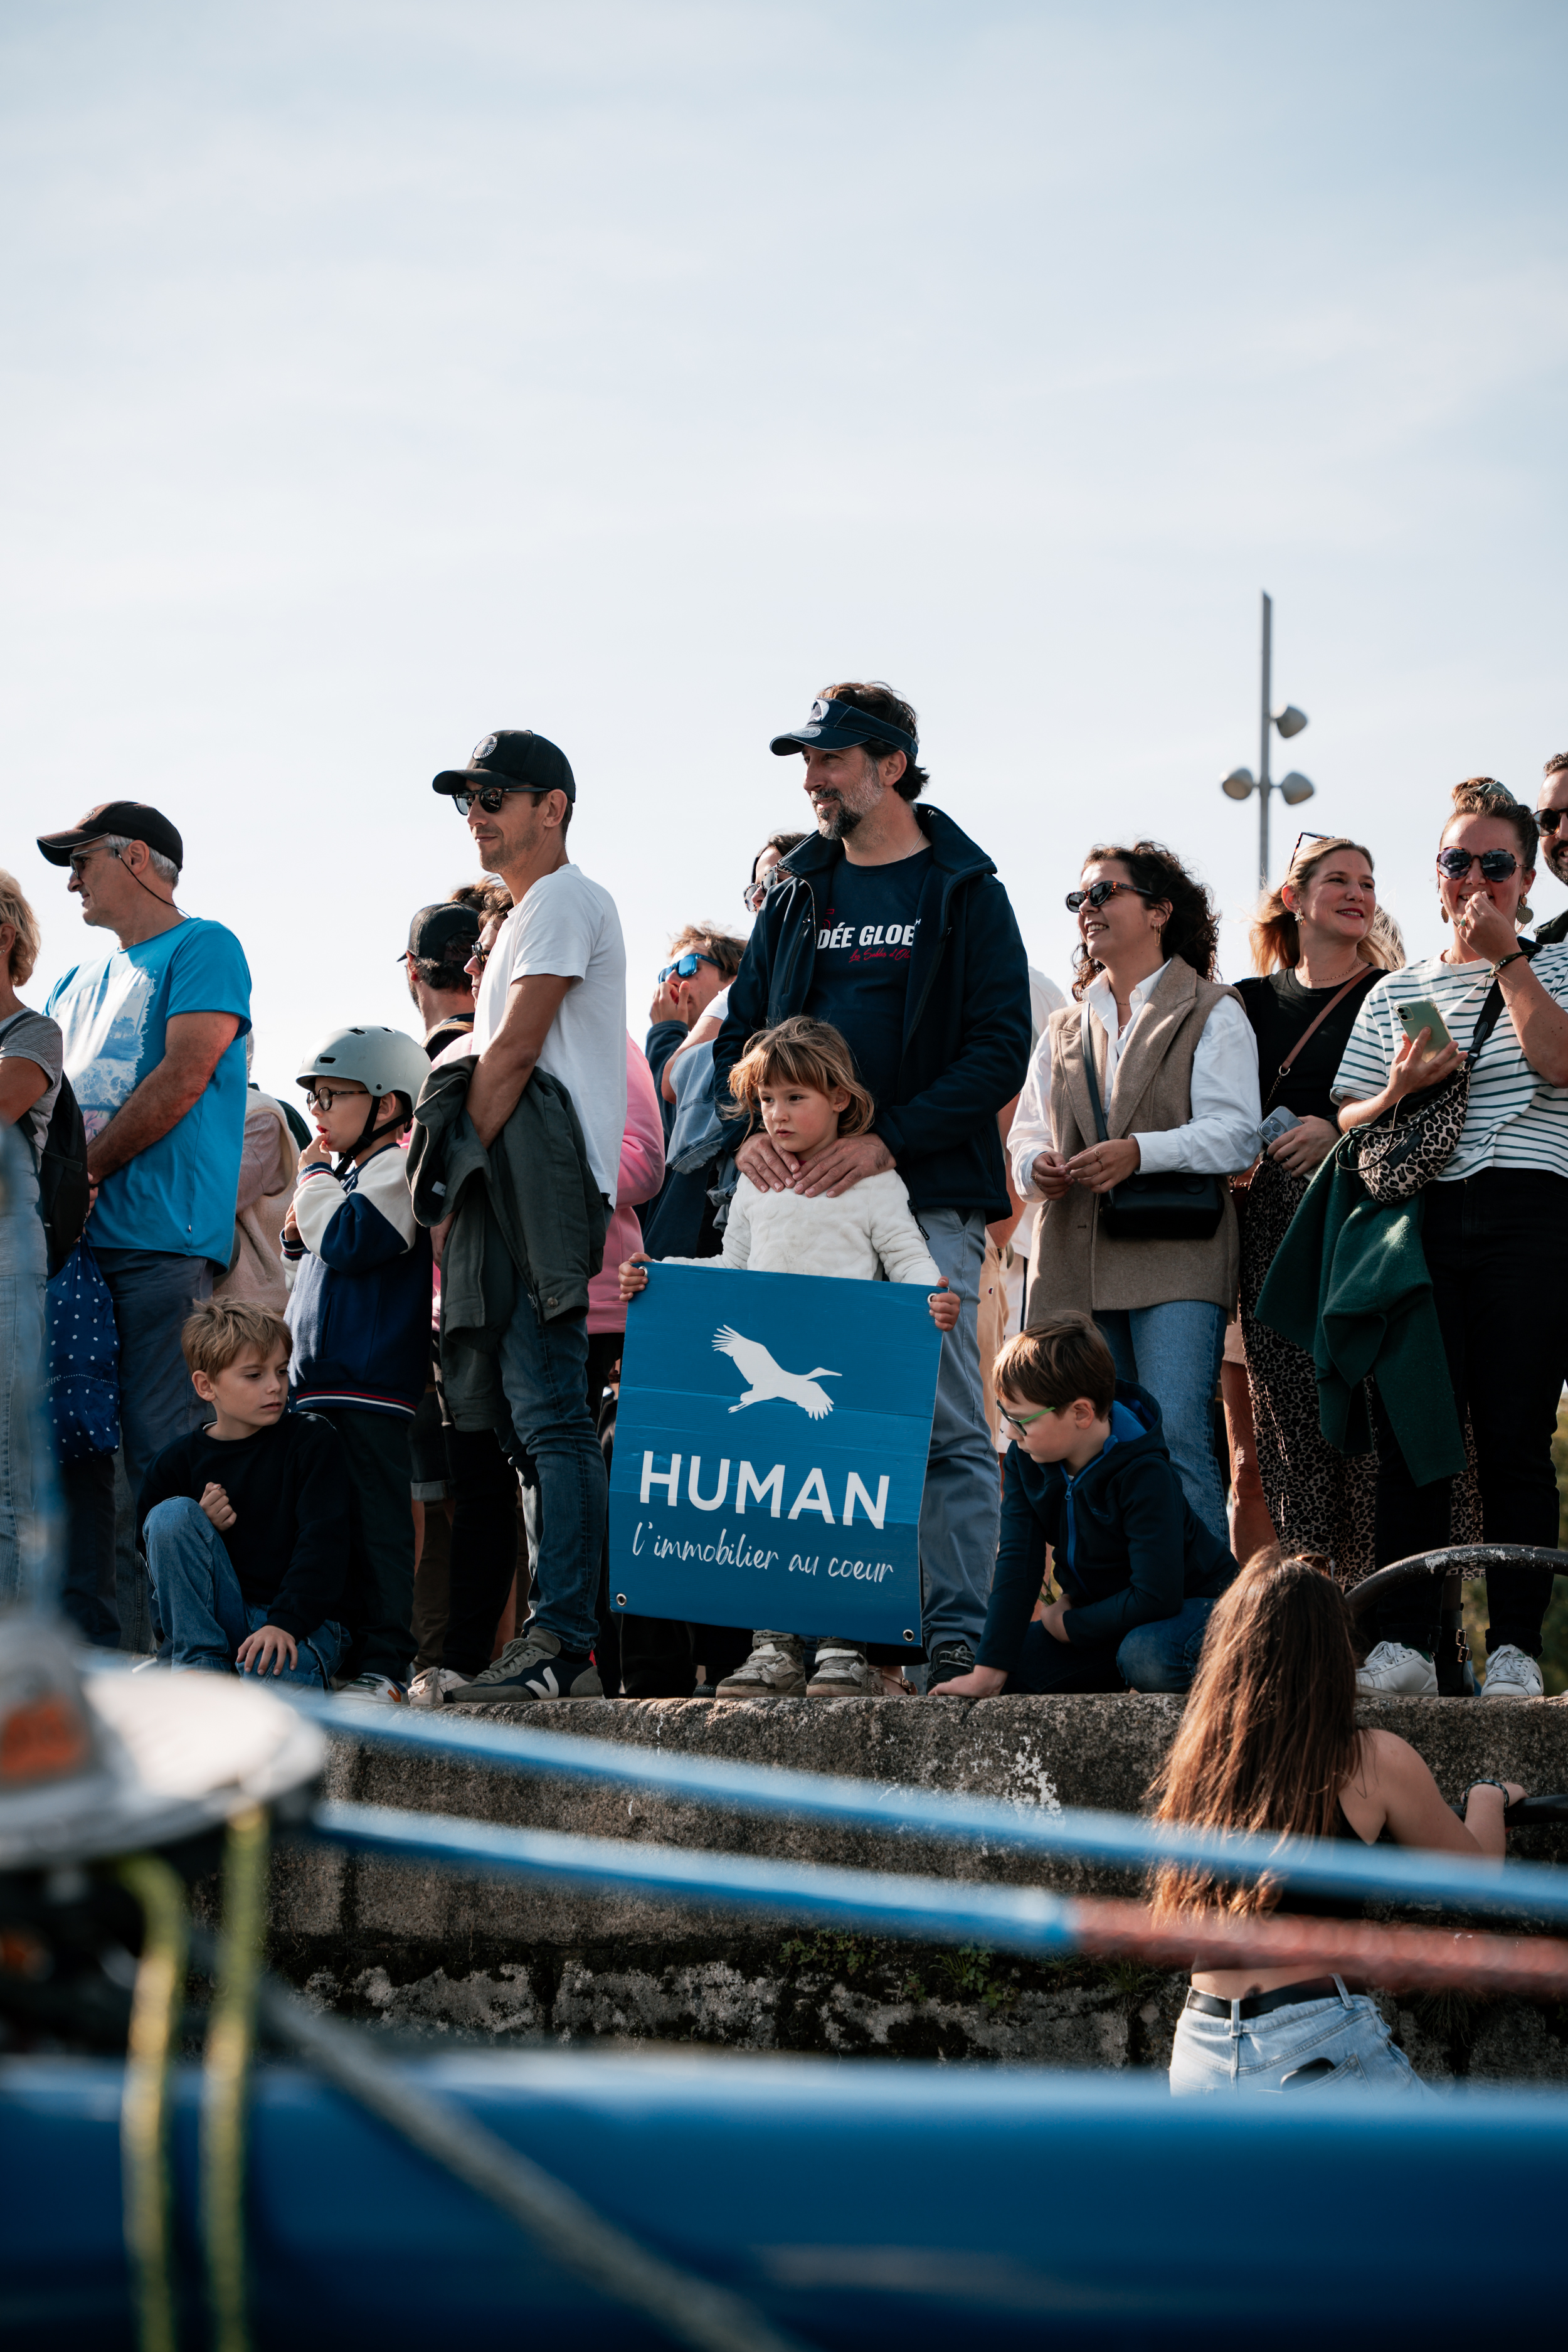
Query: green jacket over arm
[{"x": 1349, "y": 1284}]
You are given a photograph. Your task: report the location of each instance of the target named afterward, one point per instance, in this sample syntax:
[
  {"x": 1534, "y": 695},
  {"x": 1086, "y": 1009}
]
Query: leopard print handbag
[{"x": 1401, "y": 1153}]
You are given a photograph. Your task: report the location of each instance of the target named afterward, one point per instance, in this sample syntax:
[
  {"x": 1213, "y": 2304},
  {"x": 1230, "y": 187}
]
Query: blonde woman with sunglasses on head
[
  {"x": 1489, "y": 1223},
  {"x": 1319, "y": 947}
]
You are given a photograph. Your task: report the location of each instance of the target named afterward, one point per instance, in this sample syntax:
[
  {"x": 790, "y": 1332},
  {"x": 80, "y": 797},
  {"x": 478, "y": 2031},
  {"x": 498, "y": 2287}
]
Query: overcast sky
[{"x": 377, "y": 375}]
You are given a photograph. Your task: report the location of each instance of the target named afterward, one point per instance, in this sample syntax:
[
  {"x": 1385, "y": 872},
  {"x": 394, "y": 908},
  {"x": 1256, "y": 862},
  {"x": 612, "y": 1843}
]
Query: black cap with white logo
[{"x": 516, "y": 759}]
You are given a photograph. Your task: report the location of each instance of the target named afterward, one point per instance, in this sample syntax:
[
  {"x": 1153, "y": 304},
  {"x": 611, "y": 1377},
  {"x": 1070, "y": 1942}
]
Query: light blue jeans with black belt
[{"x": 1338, "y": 2043}]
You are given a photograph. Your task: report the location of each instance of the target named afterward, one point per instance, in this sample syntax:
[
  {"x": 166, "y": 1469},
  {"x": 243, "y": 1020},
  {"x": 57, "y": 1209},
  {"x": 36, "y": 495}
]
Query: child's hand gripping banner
[{"x": 771, "y": 1445}]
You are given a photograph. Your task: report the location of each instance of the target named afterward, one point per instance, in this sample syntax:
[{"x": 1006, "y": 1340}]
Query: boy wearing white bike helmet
[{"x": 360, "y": 1313}]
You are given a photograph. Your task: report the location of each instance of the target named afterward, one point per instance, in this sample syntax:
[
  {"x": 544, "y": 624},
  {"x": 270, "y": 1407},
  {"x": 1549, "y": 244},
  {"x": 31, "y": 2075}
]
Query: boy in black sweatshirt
[
  {"x": 245, "y": 1522},
  {"x": 1089, "y": 1474}
]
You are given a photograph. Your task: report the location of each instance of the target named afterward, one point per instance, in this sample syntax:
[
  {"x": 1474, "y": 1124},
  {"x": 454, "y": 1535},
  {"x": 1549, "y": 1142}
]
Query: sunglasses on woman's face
[
  {"x": 684, "y": 966},
  {"x": 1495, "y": 864},
  {"x": 1099, "y": 892}
]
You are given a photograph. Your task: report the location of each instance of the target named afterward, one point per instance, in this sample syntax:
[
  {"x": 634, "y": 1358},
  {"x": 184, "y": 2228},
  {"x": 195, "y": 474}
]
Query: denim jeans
[
  {"x": 1161, "y": 1655},
  {"x": 204, "y": 1613},
  {"x": 1174, "y": 1352},
  {"x": 1335, "y": 2044},
  {"x": 154, "y": 1291},
  {"x": 544, "y": 1373},
  {"x": 1501, "y": 1295},
  {"x": 961, "y": 1510},
  {"x": 23, "y": 1266}
]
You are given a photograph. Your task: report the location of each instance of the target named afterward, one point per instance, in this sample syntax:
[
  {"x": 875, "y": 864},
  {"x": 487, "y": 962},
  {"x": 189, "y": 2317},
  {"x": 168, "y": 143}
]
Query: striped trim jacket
[{"x": 359, "y": 1307}]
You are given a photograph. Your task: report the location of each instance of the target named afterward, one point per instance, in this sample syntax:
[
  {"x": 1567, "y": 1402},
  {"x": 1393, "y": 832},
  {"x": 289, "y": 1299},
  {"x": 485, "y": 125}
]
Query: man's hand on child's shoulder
[
  {"x": 944, "y": 1308},
  {"x": 265, "y": 1650},
  {"x": 633, "y": 1278},
  {"x": 217, "y": 1507},
  {"x": 840, "y": 1166}
]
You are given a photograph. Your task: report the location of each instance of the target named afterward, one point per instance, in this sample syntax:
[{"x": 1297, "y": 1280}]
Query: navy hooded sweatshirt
[
  {"x": 1129, "y": 1547},
  {"x": 965, "y": 1048}
]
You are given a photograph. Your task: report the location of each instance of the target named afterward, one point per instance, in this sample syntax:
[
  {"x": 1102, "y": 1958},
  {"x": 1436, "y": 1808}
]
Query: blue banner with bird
[{"x": 770, "y": 1456}]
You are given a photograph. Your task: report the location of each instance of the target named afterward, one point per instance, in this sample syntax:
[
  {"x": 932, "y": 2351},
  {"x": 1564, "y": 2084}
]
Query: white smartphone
[{"x": 1424, "y": 1015}]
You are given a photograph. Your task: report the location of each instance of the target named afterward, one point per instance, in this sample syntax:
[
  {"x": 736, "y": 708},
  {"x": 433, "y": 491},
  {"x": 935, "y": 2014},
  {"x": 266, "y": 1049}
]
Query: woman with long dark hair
[
  {"x": 1490, "y": 1225},
  {"x": 1318, "y": 947},
  {"x": 1176, "y": 1074},
  {"x": 1268, "y": 1742}
]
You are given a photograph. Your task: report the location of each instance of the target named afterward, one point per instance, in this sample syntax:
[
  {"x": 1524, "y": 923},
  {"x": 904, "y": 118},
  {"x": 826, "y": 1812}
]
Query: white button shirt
[{"x": 1221, "y": 1137}]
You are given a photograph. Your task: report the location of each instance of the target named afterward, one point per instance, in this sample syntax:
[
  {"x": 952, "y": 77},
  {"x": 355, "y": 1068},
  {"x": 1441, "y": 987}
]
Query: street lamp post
[{"x": 1293, "y": 788}]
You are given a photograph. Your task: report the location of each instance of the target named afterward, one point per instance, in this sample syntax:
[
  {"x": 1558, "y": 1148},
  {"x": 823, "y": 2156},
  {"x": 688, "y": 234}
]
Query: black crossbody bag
[{"x": 1168, "y": 1208}]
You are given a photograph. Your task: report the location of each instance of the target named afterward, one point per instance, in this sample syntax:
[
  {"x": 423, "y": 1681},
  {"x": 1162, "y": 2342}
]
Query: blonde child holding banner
[{"x": 800, "y": 1080}]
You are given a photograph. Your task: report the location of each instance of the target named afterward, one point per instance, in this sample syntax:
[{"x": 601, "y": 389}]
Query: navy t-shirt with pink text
[{"x": 865, "y": 942}]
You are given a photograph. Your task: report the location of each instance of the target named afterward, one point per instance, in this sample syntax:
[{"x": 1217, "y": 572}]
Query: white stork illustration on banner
[{"x": 770, "y": 1381}]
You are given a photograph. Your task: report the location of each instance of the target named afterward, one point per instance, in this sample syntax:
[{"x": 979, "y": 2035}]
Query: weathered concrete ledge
[{"x": 423, "y": 1948}]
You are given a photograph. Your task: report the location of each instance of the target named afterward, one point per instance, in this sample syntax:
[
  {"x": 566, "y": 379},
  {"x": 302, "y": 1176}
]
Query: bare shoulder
[{"x": 1392, "y": 1762}]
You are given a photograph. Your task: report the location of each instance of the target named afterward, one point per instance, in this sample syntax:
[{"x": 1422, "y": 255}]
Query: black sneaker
[
  {"x": 532, "y": 1667},
  {"x": 947, "y": 1660}
]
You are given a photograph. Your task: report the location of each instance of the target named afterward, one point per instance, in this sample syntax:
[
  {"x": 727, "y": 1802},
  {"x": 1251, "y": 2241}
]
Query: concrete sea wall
[{"x": 425, "y": 1950}]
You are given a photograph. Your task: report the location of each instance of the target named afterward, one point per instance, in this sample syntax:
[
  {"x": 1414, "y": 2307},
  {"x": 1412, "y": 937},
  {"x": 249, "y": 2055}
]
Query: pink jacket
[{"x": 641, "y": 1175}]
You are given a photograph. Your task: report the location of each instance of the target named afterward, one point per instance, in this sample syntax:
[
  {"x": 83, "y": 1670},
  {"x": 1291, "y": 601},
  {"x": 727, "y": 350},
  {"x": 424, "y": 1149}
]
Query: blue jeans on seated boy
[
  {"x": 1174, "y": 1352},
  {"x": 1159, "y": 1655},
  {"x": 201, "y": 1608},
  {"x": 1337, "y": 2042}
]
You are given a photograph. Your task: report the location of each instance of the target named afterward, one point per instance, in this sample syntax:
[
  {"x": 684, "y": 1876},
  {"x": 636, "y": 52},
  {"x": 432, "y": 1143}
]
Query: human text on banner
[{"x": 771, "y": 1442}]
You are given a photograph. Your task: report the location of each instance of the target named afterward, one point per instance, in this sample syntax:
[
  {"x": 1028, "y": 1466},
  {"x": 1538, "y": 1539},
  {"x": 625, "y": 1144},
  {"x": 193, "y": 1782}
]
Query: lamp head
[
  {"x": 1290, "y": 721},
  {"x": 1239, "y": 783},
  {"x": 1295, "y": 788}
]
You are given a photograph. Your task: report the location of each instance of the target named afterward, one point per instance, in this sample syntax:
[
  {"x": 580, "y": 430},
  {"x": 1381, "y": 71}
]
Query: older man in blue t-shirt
[
  {"x": 894, "y": 928},
  {"x": 154, "y": 1048}
]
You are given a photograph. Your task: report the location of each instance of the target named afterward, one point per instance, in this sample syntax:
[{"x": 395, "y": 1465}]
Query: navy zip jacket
[
  {"x": 1136, "y": 1548},
  {"x": 359, "y": 1307},
  {"x": 966, "y": 1014}
]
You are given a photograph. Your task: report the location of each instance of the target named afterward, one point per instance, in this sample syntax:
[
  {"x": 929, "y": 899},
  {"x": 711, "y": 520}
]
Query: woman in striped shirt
[{"x": 1490, "y": 1229}]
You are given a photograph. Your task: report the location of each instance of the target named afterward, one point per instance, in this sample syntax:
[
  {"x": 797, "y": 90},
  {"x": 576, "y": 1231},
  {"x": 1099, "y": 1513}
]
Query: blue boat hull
[{"x": 855, "y": 2204}]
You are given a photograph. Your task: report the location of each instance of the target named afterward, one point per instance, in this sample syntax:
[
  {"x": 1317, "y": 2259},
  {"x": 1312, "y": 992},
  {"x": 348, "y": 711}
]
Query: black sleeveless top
[{"x": 1310, "y": 1906}]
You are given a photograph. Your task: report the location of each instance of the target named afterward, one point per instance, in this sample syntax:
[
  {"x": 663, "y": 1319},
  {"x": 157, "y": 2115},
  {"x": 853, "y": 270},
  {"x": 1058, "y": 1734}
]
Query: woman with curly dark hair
[{"x": 1175, "y": 1068}]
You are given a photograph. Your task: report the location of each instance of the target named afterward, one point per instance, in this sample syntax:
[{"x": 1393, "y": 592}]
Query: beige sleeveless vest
[{"x": 1072, "y": 1264}]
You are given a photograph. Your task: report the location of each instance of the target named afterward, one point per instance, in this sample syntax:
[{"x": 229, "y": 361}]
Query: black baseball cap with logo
[
  {"x": 130, "y": 820},
  {"x": 516, "y": 759},
  {"x": 436, "y": 931}
]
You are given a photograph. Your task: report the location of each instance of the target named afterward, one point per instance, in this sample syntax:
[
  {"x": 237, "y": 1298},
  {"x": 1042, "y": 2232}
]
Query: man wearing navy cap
[
  {"x": 553, "y": 998},
  {"x": 441, "y": 942},
  {"x": 154, "y": 1047},
  {"x": 893, "y": 926}
]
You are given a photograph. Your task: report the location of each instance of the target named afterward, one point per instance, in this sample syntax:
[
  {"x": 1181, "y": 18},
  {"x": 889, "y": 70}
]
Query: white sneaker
[
  {"x": 1393, "y": 1671},
  {"x": 1511, "y": 1672},
  {"x": 430, "y": 1688},
  {"x": 381, "y": 1686}
]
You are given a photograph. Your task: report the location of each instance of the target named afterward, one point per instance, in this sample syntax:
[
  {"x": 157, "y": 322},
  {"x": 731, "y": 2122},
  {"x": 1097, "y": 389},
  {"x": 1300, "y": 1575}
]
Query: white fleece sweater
[{"x": 870, "y": 1227}]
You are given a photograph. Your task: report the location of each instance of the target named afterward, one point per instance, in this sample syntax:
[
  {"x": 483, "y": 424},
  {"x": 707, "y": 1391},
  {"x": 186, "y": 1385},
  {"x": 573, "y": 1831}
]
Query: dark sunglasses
[
  {"x": 1495, "y": 864},
  {"x": 684, "y": 966},
  {"x": 1547, "y": 819},
  {"x": 754, "y": 893},
  {"x": 480, "y": 955},
  {"x": 488, "y": 796},
  {"x": 1099, "y": 892}
]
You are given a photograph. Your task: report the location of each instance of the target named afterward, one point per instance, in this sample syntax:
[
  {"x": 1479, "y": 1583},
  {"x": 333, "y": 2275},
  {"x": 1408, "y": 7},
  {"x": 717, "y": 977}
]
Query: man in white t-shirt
[{"x": 553, "y": 998}]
